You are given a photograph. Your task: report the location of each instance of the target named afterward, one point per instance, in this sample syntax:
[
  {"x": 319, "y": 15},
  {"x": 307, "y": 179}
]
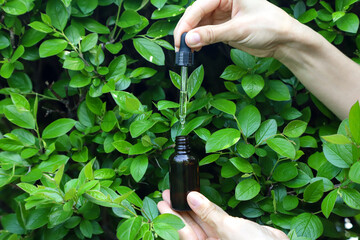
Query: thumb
[
  {"x": 210, "y": 34},
  {"x": 207, "y": 211}
]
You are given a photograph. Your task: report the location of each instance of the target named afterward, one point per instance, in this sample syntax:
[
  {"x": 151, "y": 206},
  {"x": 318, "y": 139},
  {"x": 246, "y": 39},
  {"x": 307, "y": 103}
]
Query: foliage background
[{"x": 89, "y": 113}]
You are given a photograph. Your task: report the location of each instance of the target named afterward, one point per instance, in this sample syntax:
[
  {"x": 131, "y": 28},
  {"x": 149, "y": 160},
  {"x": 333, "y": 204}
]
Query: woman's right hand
[{"x": 255, "y": 26}]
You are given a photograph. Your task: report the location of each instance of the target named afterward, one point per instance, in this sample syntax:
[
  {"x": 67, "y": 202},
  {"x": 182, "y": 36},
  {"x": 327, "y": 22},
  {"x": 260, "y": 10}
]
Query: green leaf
[
  {"x": 41, "y": 27},
  {"x": 8, "y": 159},
  {"x": 20, "y": 102},
  {"x": 129, "y": 18},
  {"x": 224, "y": 105},
  {"x": 89, "y": 42},
  {"x": 170, "y": 219},
  {"x": 314, "y": 192},
  {"x": 117, "y": 68},
  {"x": 242, "y": 59},
  {"x": 86, "y": 228},
  {"x": 354, "y": 173},
  {"x": 175, "y": 79},
  {"x": 194, "y": 124},
  {"x": 354, "y": 122},
  {"x": 58, "y": 128},
  {"x": 241, "y": 164},
  {"x": 127, "y": 102},
  {"x": 139, "y": 127},
  {"x": 164, "y": 104},
  {"x": 149, "y": 50},
  {"x": 285, "y": 172},
  {"x": 109, "y": 121},
  {"x": 104, "y": 173},
  {"x": 222, "y": 139},
  {"x": 167, "y": 11},
  {"x": 307, "y": 225},
  {"x": 267, "y": 129},
  {"x": 328, "y": 203},
  {"x": 129, "y": 229},
  {"x": 4, "y": 41},
  {"x": 351, "y": 197},
  {"x": 166, "y": 231},
  {"x": 93, "y": 26},
  {"x": 75, "y": 64},
  {"x": 232, "y": 73},
  {"x": 138, "y": 167},
  {"x": 17, "y": 54},
  {"x": 337, "y": 15},
  {"x": 337, "y": 139},
  {"x": 58, "y": 14},
  {"x": 308, "y": 16},
  {"x": 87, "y": 6},
  {"x": 59, "y": 216},
  {"x": 277, "y": 91},
  {"x": 249, "y": 119},
  {"x": 209, "y": 159},
  {"x": 52, "y": 47},
  {"x": 348, "y": 23},
  {"x": 295, "y": 129},
  {"x": 14, "y": 7},
  {"x": 158, "y": 3},
  {"x": 150, "y": 209},
  {"x": 252, "y": 85},
  {"x": 282, "y": 147},
  {"x": 247, "y": 189},
  {"x": 20, "y": 81},
  {"x": 122, "y": 146},
  {"x": 79, "y": 80},
  {"x": 21, "y": 118},
  {"x": 338, "y": 155},
  {"x": 36, "y": 218},
  {"x": 54, "y": 163},
  {"x": 290, "y": 202},
  {"x": 195, "y": 80},
  {"x": 7, "y": 70}
]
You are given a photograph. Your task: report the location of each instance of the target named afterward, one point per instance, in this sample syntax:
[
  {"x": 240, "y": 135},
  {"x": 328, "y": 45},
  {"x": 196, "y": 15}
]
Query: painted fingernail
[
  {"x": 193, "y": 38},
  {"x": 194, "y": 199}
]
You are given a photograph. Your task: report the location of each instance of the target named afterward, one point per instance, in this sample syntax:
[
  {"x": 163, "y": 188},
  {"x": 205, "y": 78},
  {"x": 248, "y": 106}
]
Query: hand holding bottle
[
  {"x": 208, "y": 221},
  {"x": 255, "y": 26}
]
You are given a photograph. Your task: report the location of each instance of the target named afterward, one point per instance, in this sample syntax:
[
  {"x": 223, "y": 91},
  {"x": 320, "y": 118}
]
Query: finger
[
  {"x": 210, "y": 231},
  {"x": 210, "y": 34},
  {"x": 193, "y": 16},
  {"x": 207, "y": 211},
  {"x": 277, "y": 234},
  {"x": 166, "y": 196},
  {"x": 191, "y": 230}
]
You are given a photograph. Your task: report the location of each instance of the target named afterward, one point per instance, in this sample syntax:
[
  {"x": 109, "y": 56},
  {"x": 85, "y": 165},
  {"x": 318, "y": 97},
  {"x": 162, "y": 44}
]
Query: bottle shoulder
[{"x": 176, "y": 157}]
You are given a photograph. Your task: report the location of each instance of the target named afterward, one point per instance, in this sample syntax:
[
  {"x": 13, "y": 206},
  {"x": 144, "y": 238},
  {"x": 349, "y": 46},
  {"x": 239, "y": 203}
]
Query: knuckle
[
  {"x": 210, "y": 35},
  {"x": 208, "y": 213}
]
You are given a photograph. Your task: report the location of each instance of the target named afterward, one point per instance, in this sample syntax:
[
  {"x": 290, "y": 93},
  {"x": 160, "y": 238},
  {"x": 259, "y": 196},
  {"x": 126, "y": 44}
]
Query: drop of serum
[{"x": 184, "y": 174}]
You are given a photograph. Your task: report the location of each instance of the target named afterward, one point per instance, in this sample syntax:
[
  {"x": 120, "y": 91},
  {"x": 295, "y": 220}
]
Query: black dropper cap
[{"x": 184, "y": 57}]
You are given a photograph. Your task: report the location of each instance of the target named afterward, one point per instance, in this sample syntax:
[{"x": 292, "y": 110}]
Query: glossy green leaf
[
  {"x": 247, "y": 189},
  {"x": 149, "y": 50},
  {"x": 337, "y": 139},
  {"x": 58, "y": 127},
  {"x": 295, "y": 129},
  {"x": 307, "y": 225},
  {"x": 354, "y": 122},
  {"x": 249, "y": 120},
  {"x": 52, "y": 47},
  {"x": 194, "y": 81},
  {"x": 21, "y": 118},
  {"x": 282, "y": 147},
  {"x": 167, "y": 11},
  {"x": 138, "y": 167},
  {"x": 277, "y": 91},
  {"x": 224, "y": 105},
  {"x": 328, "y": 203},
  {"x": 222, "y": 139},
  {"x": 252, "y": 85},
  {"x": 285, "y": 172}
]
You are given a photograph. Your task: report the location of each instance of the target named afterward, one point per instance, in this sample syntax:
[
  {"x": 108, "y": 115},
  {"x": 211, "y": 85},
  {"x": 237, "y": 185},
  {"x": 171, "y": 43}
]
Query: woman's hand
[
  {"x": 255, "y": 26},
  {"x": 208, "y": 221}
]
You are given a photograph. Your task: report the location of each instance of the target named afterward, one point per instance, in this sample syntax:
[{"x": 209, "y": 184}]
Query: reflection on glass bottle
[{"x": 184, "y": 174}]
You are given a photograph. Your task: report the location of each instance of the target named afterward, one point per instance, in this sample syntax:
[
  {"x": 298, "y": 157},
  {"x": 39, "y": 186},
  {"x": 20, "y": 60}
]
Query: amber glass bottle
[{"x": 184, "y": 174}]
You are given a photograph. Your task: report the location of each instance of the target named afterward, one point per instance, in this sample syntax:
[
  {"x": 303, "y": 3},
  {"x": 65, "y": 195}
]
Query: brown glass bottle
[{"x": 184, "y": 174}]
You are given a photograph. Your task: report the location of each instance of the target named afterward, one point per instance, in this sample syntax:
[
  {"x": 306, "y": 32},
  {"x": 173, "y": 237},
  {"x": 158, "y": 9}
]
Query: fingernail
[
  {"x": 193, "y": 38},
  {"x": 194, "y": 199},
  {"x": 176, "y": 49}
]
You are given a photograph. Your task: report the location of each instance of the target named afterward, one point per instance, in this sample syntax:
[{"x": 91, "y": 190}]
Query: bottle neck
[{"x": 182, "y": 145}]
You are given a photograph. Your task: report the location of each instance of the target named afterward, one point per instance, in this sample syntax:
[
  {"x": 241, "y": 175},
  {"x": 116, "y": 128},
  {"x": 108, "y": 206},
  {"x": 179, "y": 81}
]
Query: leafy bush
[{"x": 89, "y": 117}]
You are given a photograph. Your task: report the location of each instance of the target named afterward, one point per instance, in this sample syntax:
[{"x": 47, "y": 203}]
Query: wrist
[{"x": 299, "y": 41}]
